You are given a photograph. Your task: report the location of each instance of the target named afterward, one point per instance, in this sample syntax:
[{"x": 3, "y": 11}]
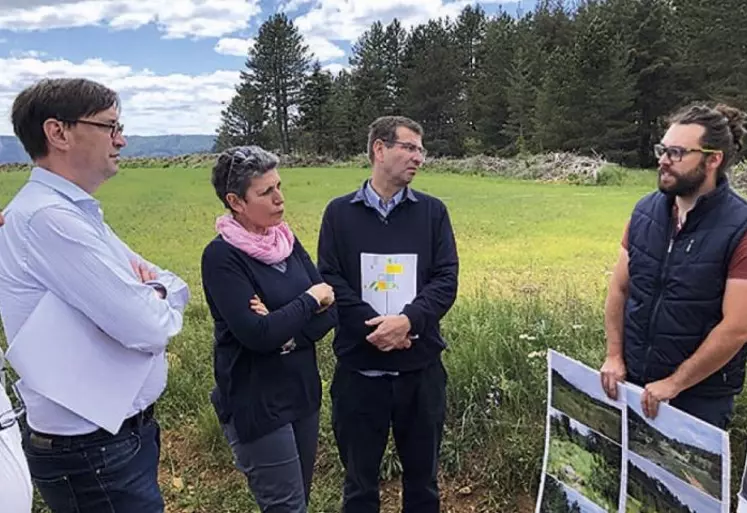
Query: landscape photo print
[
  {"x": 606, "y": 455},
  {"x": 583, "y": 453}
]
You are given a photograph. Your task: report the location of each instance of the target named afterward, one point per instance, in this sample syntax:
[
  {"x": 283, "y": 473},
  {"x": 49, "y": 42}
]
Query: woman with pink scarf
[{"x": 270, "y": 307}]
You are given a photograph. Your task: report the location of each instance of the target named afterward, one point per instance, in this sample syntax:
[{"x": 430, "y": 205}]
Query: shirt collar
[
  {"x": 366, "y": 190},
  {"x": 60, "y": 184}
]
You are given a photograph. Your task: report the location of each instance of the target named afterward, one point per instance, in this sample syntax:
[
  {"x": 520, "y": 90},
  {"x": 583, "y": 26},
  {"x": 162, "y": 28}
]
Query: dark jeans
[
  {"x": 363, "y": 408},
  {"x": 98, "y": 472},
  {"x": 279, "y": 465}
]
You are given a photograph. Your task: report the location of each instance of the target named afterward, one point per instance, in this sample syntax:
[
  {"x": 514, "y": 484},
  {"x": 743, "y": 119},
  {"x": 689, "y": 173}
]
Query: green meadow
[{"x": 534, "y": 260}]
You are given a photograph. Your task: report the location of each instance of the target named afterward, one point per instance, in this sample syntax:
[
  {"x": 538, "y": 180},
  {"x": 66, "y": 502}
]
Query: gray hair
[{"x": 235, "y": 168}]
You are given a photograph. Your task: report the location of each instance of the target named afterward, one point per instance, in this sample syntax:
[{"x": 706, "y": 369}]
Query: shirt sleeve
[
  {"x": 440, "y": 290},
  {"x": 323, "y": 322},
  {"x": 738, "y": 263},
  {"x": 69, "y": 257},
  {"x": 177, "y": 290}
]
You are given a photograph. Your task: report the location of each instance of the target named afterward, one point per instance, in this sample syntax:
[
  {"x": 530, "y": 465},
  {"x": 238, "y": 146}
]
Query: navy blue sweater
[
  {"x": 256, "y": 385},
  {"x": 419, "y": 224}
]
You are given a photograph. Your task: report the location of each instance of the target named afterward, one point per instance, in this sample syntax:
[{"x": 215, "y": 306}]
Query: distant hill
[{"x": 11, "y": 150}]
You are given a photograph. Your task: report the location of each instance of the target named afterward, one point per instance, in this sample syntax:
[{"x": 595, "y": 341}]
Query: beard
[{"x": 685, "y": 184}]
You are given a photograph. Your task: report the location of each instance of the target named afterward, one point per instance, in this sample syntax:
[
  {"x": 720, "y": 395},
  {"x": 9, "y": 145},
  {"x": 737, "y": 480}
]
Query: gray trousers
[{"x": 279, "y": 465}]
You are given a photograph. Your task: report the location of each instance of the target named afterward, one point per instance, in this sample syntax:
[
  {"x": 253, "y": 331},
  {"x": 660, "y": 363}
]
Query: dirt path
[{"x": 179, "y": 455}]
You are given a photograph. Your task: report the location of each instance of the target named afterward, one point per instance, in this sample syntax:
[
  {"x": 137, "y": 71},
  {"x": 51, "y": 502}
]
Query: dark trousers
[
  {"x": 279, "y": 465},
  {"x": 363, "y": 408},
  {"x": 98, "y": 472}
]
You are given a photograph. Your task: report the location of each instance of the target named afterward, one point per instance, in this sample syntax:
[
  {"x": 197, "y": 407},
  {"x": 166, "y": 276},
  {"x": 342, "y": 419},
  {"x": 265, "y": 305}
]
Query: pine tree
[
  {"x": 469, "y": 40},
  {"x": 396, "y": 42},
  {"x": 243, "y": 121},
  {"x": 315, "y": 115},
  {"x": 521, "y": 95},
  {"x": 659, "y": 84},
  {"x": 370, "y": 76},
  {"x": 491, "y": 88},
  {"x": 433, "y": 86},
  {"x": 343, "y": 104},
  {"x": 278, "y": 63}
]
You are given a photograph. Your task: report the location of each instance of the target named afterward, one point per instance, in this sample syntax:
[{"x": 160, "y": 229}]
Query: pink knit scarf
[{"x": 272, "y": 248}]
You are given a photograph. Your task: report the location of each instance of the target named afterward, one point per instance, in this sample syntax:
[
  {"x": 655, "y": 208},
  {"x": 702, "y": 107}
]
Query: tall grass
[{"x": 534, "y": 266}]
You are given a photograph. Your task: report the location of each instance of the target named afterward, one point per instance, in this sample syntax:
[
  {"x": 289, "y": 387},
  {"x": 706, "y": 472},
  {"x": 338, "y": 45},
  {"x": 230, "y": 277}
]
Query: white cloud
[
  {"x": 234, "y": 46},
  {"x": 323, "y": 49},
  {"x": 335, "y": 67},
  {"x": 293, "y": 5},
  {"x": 176, "y": 18},
  {"x": 348, "y": 19},
  {"x": 152, "y": 104}
]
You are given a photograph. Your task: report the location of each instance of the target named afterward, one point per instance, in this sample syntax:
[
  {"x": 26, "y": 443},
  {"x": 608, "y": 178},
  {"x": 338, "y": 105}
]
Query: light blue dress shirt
[{"x": 55, "y": 239}]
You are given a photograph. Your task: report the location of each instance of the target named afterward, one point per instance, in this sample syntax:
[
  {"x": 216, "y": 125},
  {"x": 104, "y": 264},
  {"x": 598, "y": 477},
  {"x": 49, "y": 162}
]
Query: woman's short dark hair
[
  {"x": 724, "y": 129},
  {"x": 235, "y": 168},
  {"x": 65, "y": 99}
]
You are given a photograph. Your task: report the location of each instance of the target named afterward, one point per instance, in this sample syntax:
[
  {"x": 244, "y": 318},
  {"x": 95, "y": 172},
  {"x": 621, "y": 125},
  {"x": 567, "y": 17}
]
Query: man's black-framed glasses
[
  {"x": 676, "y": 153},
  {"x": 115, "y": 128},
  {"x": 9, "y": 417}
]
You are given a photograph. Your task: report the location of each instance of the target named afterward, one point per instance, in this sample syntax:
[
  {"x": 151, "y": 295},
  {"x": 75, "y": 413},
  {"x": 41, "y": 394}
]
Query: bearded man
[{"x": 674, "y": 314}]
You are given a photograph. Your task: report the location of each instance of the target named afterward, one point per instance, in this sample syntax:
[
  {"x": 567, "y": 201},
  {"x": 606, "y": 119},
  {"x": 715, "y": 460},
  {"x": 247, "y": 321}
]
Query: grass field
[{"x": 534, "y": 265}]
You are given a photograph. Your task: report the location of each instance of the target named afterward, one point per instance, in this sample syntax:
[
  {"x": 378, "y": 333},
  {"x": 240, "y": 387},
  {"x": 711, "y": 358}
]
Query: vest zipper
[{"x": 655, "y": 310}]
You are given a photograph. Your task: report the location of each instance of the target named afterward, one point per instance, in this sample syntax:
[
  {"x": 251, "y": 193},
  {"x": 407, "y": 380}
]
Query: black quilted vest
[{"x": 677, "y": 286}]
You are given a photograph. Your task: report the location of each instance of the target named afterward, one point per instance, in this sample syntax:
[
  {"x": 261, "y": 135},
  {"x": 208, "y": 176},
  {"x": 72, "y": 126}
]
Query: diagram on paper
[{"x": 388, "y": 282}]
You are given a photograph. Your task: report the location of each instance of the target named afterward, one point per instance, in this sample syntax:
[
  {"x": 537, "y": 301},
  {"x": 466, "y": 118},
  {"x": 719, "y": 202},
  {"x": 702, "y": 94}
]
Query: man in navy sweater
[{"x": 388, "y": 342}]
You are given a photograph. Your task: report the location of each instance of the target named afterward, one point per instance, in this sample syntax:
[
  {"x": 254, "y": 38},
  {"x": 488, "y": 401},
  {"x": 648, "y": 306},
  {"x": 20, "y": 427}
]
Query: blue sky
[{"x": 175, "y": 62}]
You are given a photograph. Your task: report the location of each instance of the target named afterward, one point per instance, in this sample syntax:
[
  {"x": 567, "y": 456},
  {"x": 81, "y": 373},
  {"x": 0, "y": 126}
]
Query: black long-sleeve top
[{"x": 258, "y": 384}]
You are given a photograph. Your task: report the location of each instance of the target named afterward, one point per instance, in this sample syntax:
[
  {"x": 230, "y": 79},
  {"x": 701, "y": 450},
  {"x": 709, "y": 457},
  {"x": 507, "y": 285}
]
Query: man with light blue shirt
[{"x": 87, "y": 319}]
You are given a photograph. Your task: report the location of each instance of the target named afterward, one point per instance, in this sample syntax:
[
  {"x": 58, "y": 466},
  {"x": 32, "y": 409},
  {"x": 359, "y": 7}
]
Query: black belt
[
  {"x": 139, "y": 418},
  {"x": 46, "y": 440}
]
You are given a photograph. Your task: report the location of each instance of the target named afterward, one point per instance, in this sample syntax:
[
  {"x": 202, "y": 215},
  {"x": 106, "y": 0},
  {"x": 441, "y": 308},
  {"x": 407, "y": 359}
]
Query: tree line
[{"x": 592, "y": 76}]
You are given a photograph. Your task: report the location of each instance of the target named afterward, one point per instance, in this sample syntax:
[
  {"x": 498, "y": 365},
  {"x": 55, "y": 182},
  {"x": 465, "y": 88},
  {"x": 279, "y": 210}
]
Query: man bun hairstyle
[
  {"x": 724, "y": 130},
  {"x": 736, "y": 120}
]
